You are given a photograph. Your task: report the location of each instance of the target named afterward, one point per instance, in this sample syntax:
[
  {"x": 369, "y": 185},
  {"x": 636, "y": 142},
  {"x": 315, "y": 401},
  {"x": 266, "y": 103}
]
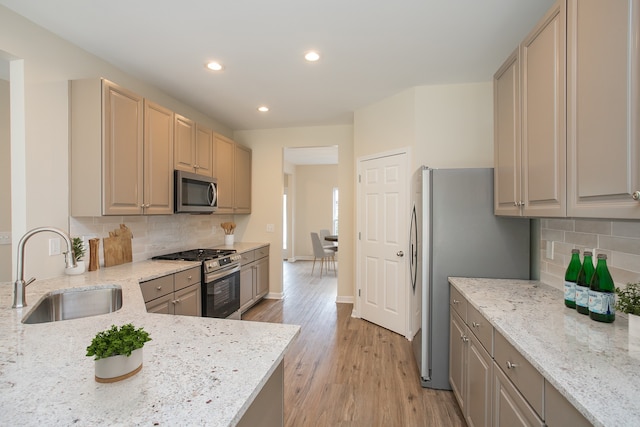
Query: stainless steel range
[{"x": 220, "y": 280}]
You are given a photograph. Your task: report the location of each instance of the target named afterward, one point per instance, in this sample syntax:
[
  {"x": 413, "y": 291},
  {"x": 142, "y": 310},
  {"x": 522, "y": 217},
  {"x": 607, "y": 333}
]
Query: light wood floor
[{"x": 343, "y": 371}]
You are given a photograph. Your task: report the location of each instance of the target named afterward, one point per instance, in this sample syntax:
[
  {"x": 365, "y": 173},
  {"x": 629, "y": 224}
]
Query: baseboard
[
  {"x": 274, "y": 295},
  {"x": 344, "y": 300}
]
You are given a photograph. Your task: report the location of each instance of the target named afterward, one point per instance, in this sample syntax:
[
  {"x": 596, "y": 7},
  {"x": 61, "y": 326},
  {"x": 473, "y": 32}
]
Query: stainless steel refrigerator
[{"x": 455, "y": 233}]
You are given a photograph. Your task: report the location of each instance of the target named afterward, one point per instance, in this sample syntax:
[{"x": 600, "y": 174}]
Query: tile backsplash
[
  {"x": 155, "y": 235},
  {"x": 619, "y": 240}
]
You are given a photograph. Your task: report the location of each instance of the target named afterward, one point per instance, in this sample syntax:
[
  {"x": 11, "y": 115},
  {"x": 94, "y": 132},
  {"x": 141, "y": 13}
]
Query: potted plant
[
  {"x": 117, "y": 352},
  {"x": 79, "y": 251},
  {"x": 628, "y": 301}
]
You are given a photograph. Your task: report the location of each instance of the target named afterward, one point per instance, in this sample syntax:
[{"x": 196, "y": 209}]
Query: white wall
[
  {"x": 267, "y": 190},
  {"x": 313, "y": 204},
  {"x": 49, "y": 63},
  {"x": 5, "y": 181}
]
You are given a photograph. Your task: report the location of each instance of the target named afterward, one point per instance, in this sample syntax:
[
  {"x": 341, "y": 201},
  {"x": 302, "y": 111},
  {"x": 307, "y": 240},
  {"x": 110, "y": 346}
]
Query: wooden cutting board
[{"x": 117, "y": 247}]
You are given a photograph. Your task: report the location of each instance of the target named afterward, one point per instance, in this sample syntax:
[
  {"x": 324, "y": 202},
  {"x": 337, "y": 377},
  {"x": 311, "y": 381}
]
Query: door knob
[
  {"x": 636, "y": 195},
  {"x": 400, "y": 253}
]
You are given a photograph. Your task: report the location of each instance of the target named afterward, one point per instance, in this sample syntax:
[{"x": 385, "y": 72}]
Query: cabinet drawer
[
  {"x": 157, "y": 287},
  {"x": 247, "y": 257},
  {"x": 510, "y": 409},
  {"x": 480, "y": 327},
  {"x": 458, "y": 302},
  {"x": 523, "y": 375},
  {"x": 187, "y": 278},
  {"x": 261, "y": 252},
  {"x": 161, "y": 305}
]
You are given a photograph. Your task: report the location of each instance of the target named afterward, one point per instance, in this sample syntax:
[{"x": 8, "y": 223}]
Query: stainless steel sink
[{"x": 76, "y": 303}]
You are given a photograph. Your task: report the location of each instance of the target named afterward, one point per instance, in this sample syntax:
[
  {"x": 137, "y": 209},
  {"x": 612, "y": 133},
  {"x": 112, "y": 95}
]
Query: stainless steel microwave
[{"x": 195, "y": 193}]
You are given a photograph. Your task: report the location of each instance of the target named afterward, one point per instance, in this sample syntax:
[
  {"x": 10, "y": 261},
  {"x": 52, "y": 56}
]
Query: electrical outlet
[
  {"x": 54, "y": 246},
  {"x": 271, "y": 228}
]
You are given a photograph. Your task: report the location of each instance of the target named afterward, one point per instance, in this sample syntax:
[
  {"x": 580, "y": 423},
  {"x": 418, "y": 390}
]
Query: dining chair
[
  {"x": 326, "y": 244},
  {"x": 320, "y": 252}
]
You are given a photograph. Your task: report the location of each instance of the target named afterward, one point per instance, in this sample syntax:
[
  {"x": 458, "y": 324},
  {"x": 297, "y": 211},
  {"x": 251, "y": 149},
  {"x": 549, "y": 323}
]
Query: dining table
[{"x": 331, "y": 238}]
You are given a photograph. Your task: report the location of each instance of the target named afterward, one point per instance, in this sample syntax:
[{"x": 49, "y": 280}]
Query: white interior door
[{"x": 383, "y": 241}]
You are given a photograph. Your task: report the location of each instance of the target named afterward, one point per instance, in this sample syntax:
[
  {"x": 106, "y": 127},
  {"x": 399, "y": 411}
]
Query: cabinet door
[
  {"x": 184, "y": 144},
  {"x": 478, "y": 384},
  {"x": 457, "y": 357},
  {"x": 162, "y": 305},
  {"x": 204, "y": 151},
  {"x": 507, "y": 142},
  {"x": 188, "y": 301},
  {"x": 158, "y": 160},
  {"x": 123, "y": 151},
  {"x": 246, "y": 286},
  {"x": 242, "y": 180},
  {"x": 509, "y": 407},
  {"x": 262, "y": 277},
  {"x": 603, "y": 108},
  {"x": 224, "y": 173},
  {"x": 543, "y": 56}
]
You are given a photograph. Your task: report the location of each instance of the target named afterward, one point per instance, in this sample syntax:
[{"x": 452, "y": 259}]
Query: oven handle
[{"x": 212, "y": 277}]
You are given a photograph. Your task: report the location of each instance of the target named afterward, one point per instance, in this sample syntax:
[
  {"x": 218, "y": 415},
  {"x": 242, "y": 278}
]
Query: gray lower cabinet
[
  {"x": 254, "y": 277},
  {"x": 178, "y": 293},
  {"x": 492, "y": 382}
]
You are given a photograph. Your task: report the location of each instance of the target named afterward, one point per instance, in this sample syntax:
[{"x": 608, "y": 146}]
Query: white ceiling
[{"x": 371, "y": 49}]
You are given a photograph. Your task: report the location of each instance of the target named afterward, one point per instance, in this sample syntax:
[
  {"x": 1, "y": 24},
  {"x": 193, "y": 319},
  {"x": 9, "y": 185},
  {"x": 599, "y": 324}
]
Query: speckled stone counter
[
  {"x": 196, "y": 371},
  {"x": 594, "y": 365}
]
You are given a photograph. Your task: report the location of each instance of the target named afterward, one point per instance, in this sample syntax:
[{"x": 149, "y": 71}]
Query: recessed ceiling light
[
  {"x": 263, "y": 109},
  {"x": 311, "y": 56},
  {"x": 215, "y": 66}
]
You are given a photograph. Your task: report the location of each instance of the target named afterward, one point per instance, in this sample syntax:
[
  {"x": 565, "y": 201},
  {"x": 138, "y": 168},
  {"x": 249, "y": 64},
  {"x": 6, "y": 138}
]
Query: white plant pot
[
  {"x": 228, "y": 239},
  {"x": 78, "y": 269},
  {"x": 117, "y": 368},
  {"x": 634, "y": 328}
]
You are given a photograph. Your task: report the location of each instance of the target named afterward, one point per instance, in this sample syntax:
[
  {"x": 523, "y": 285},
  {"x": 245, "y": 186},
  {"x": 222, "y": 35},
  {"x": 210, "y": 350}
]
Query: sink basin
[{"x": 76, "y": 303}]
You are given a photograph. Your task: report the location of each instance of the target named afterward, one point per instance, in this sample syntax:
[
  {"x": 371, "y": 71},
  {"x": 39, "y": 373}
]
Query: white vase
[
  {"x": 116, "y": 368},
  {"x": 228, "y": 239},
  {"x": 78, "y": 269}
]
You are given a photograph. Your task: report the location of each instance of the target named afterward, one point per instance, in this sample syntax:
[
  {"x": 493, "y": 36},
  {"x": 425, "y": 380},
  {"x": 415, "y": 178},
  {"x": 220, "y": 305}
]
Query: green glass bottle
[
  {"x": 602, "y": 295},
  {"x": 570, "y": 277},
  {"x": 583, "y": 283}
]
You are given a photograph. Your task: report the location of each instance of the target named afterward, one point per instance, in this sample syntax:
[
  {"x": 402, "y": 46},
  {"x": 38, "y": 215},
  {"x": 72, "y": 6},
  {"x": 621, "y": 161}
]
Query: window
[{"x": 335, "y": 210}]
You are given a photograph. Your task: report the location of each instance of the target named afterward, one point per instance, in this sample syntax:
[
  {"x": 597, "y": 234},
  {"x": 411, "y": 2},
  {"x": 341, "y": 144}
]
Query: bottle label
[
  {"x": 582, "y": 296},
  {"x": 569, "y": 290},
  {"x": 602, "y": 302}
]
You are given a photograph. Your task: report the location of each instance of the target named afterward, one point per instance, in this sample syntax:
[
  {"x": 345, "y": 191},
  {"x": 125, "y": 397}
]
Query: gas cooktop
[{"x": 197, "y": 254}]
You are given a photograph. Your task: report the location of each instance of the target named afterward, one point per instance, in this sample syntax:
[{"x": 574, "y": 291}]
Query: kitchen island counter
[
  {"x": 594, "y": 365},
  {"x": 196, "y": 371}
]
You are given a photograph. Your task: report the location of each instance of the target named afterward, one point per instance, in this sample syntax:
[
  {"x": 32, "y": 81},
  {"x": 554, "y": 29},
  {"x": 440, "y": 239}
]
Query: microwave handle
[{"x": 212, "y": 194}]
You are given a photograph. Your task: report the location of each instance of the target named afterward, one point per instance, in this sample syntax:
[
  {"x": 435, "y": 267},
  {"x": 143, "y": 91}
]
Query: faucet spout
[{"x": 19, "y": 295}]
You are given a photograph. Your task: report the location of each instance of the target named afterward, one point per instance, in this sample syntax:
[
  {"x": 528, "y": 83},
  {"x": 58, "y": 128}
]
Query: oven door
[{"x": 221, "y": 293}]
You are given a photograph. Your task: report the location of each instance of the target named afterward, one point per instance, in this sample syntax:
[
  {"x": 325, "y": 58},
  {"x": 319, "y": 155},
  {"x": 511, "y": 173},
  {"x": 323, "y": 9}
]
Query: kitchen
[{"x": 425, "y": 117}]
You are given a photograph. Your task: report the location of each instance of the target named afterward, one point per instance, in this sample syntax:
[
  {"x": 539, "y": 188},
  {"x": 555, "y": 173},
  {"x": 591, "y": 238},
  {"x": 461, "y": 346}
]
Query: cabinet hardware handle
[
  {"x": 475, "y": 325},
  {"x": 159, "y": 288},
  {"x": 455, "y": 301},
  {"x": 636, "y": 195},
  {"x": 189, "y": 278},
  {"x": 511, "y": 365},
  {"x": 464, "y": 339}
]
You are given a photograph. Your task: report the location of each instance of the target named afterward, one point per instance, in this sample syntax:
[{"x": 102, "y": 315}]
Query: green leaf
[{"x": 117, "y": 341}]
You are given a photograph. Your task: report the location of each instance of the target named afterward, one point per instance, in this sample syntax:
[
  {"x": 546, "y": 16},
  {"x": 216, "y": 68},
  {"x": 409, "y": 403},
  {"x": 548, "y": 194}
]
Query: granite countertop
[
  {"x": 242, "y": 247},
  {"x": 196, "y": 371},
  {"x": 594, "y": 365}
]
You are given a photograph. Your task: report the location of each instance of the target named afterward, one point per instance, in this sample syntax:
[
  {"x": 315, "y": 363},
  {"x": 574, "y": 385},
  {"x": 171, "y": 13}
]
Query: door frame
[{"x": 406, "y": 151}]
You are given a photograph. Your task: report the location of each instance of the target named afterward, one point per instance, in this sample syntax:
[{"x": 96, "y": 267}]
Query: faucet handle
[{"x": 30, "y": 281}]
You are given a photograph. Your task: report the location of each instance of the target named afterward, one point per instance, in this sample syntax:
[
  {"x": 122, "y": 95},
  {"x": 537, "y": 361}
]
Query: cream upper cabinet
[
  {"x": 204, "y": 151},
  {"x": 158, "y": 159},
  {"x": 224, "y": 173},
  {"x": 603, "y": 65},
  {"x": 184, "y": 149},
  {"x": 507, "y": 142},
  {"x": 242, "y": 179},
  {"x": 121, "y": 152},
  {"x": 193, "y": 151},
  {"x": 543, "y": 82},
  {"x": 233, "y": 172}
]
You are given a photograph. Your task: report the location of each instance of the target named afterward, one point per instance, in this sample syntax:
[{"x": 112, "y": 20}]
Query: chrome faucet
[{"x": 19, "y": 295}]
